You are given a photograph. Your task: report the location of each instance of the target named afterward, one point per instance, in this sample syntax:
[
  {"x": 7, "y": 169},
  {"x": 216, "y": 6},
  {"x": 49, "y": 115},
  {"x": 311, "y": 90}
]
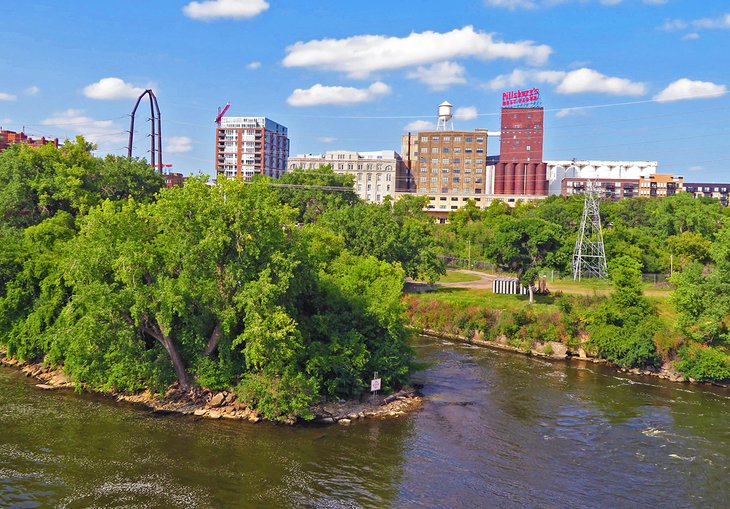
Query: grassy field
[
  {"x": 467, "y": 297},
  {"x": 454, "y": 276}
]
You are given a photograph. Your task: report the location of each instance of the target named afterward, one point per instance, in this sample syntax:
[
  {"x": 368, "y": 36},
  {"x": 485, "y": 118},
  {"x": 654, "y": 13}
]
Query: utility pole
[
  {"x": 589, "y": 255},
  {"x": 469, "y": 255}
]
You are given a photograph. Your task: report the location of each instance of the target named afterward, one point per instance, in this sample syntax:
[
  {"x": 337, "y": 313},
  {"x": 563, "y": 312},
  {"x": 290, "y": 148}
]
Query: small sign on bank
[{"x": 375, "y": 383}]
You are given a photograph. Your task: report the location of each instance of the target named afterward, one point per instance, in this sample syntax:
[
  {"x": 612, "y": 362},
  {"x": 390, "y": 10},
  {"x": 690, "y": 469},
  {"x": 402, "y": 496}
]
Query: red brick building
[
  {"x": 521, "y": 170},
  {"x": 8, "y": 138}
]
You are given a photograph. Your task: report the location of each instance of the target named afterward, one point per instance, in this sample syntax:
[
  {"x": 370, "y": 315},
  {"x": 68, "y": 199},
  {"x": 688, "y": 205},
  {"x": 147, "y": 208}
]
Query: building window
[
  {"x": 435, "y": 150},
  {"x": 445, "y": 160},
  {"x": 445, "y": 150},
  {"x": 424, "y": 150},
  {"x": 424, "y": 138},
  {"x": 527, "y": 147},
  {"x": 434, "y": 170},
  {"x": 434, "y": 138},
  {"x": 424, "y": 179}
]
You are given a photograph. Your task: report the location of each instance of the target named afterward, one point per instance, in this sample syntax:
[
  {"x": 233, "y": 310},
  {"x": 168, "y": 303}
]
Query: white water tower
[{"x": 444, "y": 123}]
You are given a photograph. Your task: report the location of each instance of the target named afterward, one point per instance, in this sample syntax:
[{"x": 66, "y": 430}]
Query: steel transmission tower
[
  {"x": 589, "y": 256},
  {"x": 155, "y": 131}
]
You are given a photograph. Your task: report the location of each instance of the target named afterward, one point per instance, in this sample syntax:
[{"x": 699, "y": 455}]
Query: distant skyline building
[
  {"x": 376, "y": 174},
  {"x": 521, "y": 170},
  {"x": 8, "y": 138},
  {"x": 448, "y": 166},
  {"x": 248, "y": 146},
  {"x": 616, "y": 179}
]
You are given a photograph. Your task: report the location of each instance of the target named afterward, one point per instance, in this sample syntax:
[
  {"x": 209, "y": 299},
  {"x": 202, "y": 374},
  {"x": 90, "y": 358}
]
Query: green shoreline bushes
[{"x": 130, "y": 286}]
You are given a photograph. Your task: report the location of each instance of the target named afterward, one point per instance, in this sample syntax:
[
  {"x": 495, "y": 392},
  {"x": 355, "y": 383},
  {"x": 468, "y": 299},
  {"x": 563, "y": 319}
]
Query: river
[{"x": 497, "y": 430}]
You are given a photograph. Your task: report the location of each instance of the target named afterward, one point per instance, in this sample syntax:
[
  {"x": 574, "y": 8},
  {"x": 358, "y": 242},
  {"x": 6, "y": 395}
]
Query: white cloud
[
  {"x": 5, "y": 121},
  {"x": 721, "y": 22},
  {"x": 177, "y": 145},
  {"x": 419, "y": 125},
  {"x": 107, "y": 89},
  {"x": 688, "y": 89},
  {"x": 696, "y": 168},
  {"x": 252, "y": 66},
  {"x": 579, "y": 81},
  {"x": 326, "y": 139},
  {"x": 466, "y": 113},
  {"x": 361, "y": 55},
  {"x": 512, "y": 4},
  {"x": 32, "y": 90},
  {"x": 236, "y": 9},
  {"x": 587, "y": 80},
  {"x": 4, "y": 96},
  {"x": 102, "y": 132},
  {"x": 439, "y": 76},
  {"x": 571, "y": 112},
  {"x": 690, "y": 36},
  {"x": 521, "y": 77},
  {"x": 339, "y": 96}
]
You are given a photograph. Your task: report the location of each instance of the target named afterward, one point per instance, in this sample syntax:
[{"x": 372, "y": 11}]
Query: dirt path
[{"x": 484, "y": 282}]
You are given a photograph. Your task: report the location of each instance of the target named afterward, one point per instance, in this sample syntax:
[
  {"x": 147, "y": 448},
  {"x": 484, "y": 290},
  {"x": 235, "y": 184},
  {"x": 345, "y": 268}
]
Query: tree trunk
[
  {"x": 177, "y": 363},
  {"x": 213, "y": 341},
  {"x": 529, "y": 290}
]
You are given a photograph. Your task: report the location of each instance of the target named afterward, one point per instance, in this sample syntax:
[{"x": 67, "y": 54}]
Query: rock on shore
[{"x": 200, "y": 402}]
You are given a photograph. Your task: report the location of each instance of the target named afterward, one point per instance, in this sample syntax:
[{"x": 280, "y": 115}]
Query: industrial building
[
  {"x": 449, "y": 166},
  {"x": 248, "y": 146},
  {"x": 376, "y": 174},
  {"x": 8, "y": 138},
  {"x": 521, "y": 171}
]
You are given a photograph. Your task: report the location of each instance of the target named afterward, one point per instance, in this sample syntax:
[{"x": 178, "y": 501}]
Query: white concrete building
[
  {"x": 377, "y": 173},
  {"x": 557, "y": 171}
]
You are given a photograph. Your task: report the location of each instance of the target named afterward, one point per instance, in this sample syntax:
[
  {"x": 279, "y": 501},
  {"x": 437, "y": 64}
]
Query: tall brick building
[
  {"x": 248, "y": 146},
  {"x": 521, "y": 170},
  {"x": 448, "y": 166}
]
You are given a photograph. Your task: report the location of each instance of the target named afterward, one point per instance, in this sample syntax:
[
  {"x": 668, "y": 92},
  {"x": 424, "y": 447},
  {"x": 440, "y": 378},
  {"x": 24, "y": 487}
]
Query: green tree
[{"x": 524, "y": 245}]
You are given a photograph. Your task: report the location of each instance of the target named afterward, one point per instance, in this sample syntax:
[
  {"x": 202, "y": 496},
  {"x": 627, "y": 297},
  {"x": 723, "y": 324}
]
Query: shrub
[{"x": 704, "y": 363}]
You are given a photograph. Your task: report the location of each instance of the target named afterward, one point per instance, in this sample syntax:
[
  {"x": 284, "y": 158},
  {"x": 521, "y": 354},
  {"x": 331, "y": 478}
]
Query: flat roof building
[
  {"x": 248, "y": 146},
  {"x": 8, "y": 138},
  {"x": 377, "y": 174}
]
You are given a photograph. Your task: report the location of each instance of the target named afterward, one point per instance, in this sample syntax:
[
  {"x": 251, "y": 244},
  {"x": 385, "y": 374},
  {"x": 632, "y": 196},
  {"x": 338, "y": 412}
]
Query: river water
[{"x": 497, "y": 430}]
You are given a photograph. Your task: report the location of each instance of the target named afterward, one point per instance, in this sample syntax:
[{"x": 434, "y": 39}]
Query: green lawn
[
  {"x": 453, "y": 276},
  {"x": 467, "y": 297}
]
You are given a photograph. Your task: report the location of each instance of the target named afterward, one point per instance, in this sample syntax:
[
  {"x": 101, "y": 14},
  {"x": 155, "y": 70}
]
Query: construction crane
[{"x": 221, "y": 112}]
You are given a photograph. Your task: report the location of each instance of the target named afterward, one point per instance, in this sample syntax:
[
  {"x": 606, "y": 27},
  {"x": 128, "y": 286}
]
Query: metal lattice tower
[{"x": 589, "y": 256}]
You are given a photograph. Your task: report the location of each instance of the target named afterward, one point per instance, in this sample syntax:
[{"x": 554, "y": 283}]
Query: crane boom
[{"x": 221, "y": 113}]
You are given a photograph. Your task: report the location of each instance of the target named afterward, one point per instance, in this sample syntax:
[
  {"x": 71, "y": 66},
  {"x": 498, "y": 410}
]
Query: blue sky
[{"x": 620, "y": 79}]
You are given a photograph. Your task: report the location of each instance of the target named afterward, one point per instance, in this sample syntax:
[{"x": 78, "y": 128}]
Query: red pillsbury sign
[{"x": 521, "y": 98}]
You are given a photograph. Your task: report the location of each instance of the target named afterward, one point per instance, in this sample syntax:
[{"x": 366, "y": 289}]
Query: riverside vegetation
[
  {"x": 286, "y": 297},
  {"x": 684, "y": 330},
  {"x": 291, "y": 297}
]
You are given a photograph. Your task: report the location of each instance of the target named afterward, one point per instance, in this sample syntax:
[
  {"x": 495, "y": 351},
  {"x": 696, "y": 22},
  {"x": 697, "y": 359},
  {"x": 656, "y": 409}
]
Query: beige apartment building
[
  {"x": 448, "y": 166},
  {"x": 377, "y": 174},
  {"x": 660, "y": 184}
]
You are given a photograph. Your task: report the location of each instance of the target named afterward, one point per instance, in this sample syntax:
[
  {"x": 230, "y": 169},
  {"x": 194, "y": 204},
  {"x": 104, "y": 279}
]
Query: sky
[{"x": 619, "y": 79}]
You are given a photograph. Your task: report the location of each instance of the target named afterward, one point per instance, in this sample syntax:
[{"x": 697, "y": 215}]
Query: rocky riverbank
[
  {"x": 558, "y": 351},
  {"x": 201, "y": 402}
]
